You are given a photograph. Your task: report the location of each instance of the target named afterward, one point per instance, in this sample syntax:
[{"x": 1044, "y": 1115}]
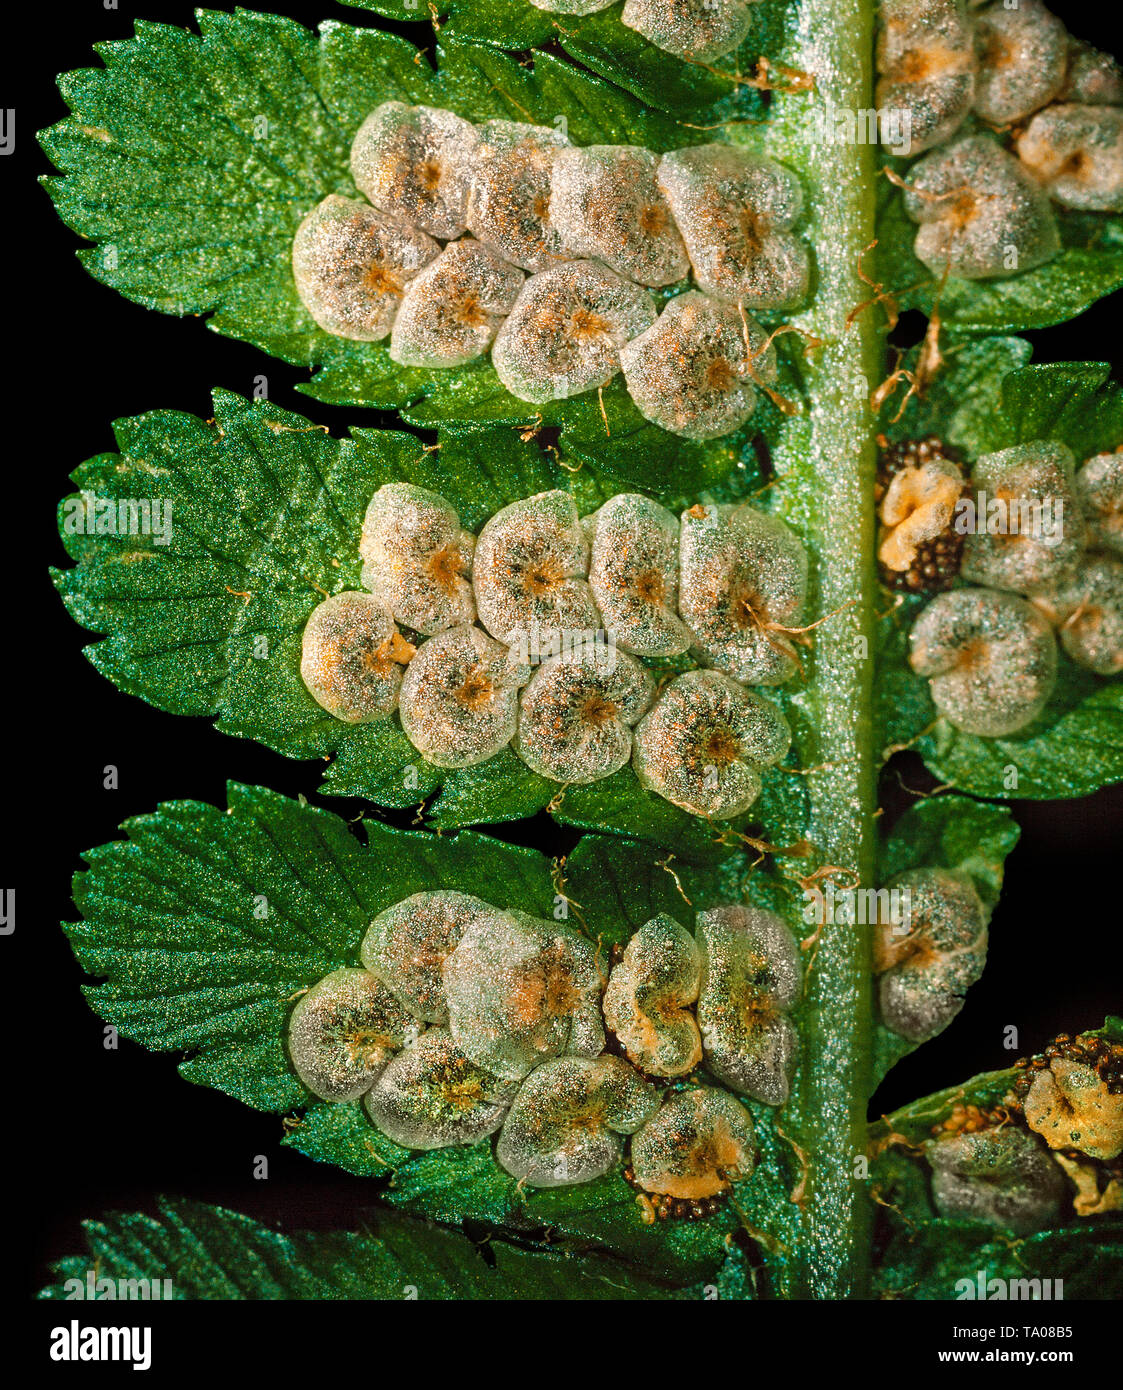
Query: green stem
[{"x": 827, "y": 465}]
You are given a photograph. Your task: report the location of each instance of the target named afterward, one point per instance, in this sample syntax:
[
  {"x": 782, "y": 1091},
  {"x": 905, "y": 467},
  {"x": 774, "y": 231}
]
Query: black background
[{"x": 89, "y": 1130}]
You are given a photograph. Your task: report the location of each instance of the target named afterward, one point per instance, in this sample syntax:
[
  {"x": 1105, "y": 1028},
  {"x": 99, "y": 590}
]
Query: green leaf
[
  {"x": 1088, "y": 268},
  {"x": 1072, "y": 749},
  {"x": 190, "y": 161},
  {"x": 600, "y": 42},
  {"x": 1074, "y": 402},
  {"x": 211, "y": 1253},
  {"x": 207, "y": 925}
]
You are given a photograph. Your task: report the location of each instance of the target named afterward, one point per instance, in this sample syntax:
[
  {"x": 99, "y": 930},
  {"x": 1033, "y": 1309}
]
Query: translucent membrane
[
  {"x": 1077, "y": 153},
  {"x": 699, "y": 1144},
  {"x": 1023, "y": 60},
  {"x": 1099, "y": 491},
  {"x": 528, "y": 573},
  {"x": 576, "y": 717},
  {"x": 705, "y": 742},
  {"x": 982, "y": 215},
  {"x": 1087, "y": 611},
  {"x": 735, "y": 211},
  {"x": 431, "y": 1096},
  {"x": 521, "y": 991},
  {"x": 565, "y": 331},
  {"x": 1071, "y": 1107},
  {"x": 459, "y": 699},
  {"x": 565, "y": 1124},
  {"x": 633, "y": 574},
  {"x": 695, "y": 371},
  {"x": 926, "y": 63},
  {"x": 414, "y": 163},
  {"x": 1094, "y": 78},
  {"x": 407, "y": 945},
  {"x": 343, "y": 1031},
  {"x": 699, "y": 29},
  {"x": 451, "y": 312},
  {"x": 647, "y": 1002},
  {"x": 1033, "y": 533},
  {"x": 605, "y": 205},
  {"x": 750, "y": 978},
  {"x": 991, "y": 658},
  {"x": 350, "y": 657},
  {"x": 509, "y": 198},
  {"x": 416, "y": 558},
  {"x": 351, "y": 266},
  {"x": 929, "y": 958},
  {"x": 1003, "y": 1177},
  {"x": 743, "y": 579}
]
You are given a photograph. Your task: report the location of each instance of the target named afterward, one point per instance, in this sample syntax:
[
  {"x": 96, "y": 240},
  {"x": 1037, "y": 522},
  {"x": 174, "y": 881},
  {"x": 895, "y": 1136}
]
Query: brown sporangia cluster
[
  {"x": 1052, "y": 111},
  {"x": 468, "y": 1020},
  {"x": 1052, "y": 1148},
  {"x": 534, "y": 636},
  {"x": 1024, "y": 556},
  {"x": 919, "y": 481},
  {"x": 505, "y": 237}
]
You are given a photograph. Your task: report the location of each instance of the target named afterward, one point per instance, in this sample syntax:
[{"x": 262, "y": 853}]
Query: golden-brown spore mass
[
  {"x": 931, "y": 955},
  {"x": 736, "y": 211},
  {"x": 705, "y": 742},
  {"x": 647, "y": 1002},
  {"x": 751, "y": 977},
  {"x": 1072, "y": 1106},
  {"x": 521, "y": 991},
  {"x": 701, "y": 30},
  {"x": 633, "y": 574},
  {"x": 1023, "y": 60},
  {"x": 414, "y": 164},
  {"x": 451, "y": 312},
  {"x": 606, "y": 206},
  {"x": 1087, "y": 611},
  {"x": 529, "y": 573},
  {"x": 696, "y": 370},
  {"x": 918, "y": 488},
  {"x": 742, "y": 588},
  {"x": 990, "y": 657},
  {"x": 407, "y": 945},
  {"x": 982, "y": 215},
  {"x": 343, "y": 1031},
  {"x": 352, "y": 265},
  {"x": 432, "y": 1097},
  {"x": 565, "y": 331},
  {"x": 509, "y": 196},
  {"x": 1032, "y": 533},
  {"x": 697, "y": 1146},
  {"x": 1001, "y": 1176},
  {"x": 1077, "y": 154},
  {"x": 576, "y": 716},
  {"x": 417, "y": 559},
  {"x": 1099, "y": 491},
  {"x": 351, "y": 657},
  {"x": 459, "y": 699},
  {"x": 566, "y": 1124},
  {"x": 926, "y": 67}
]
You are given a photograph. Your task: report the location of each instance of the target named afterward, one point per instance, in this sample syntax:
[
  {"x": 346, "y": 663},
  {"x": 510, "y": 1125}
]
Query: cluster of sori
[
  {"x": 467, "y": 1019},
  {"x": 1052, "y": 1149},
  {"x": 1024, "y": 117},
  {"x": 550, "y": 252},
  {"x": 1040, "y": 541},
  {"x": 537, "y": 635},
  {"x": 699, "y": 30}
]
